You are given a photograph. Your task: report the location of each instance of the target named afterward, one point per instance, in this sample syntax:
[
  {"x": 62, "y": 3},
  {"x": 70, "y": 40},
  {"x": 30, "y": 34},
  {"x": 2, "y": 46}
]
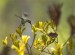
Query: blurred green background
[{"x": 37, "y": 10}]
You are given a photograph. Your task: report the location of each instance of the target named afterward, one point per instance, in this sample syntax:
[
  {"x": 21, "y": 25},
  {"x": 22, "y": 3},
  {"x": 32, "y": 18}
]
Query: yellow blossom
[
  {"x": 58, "y": 49},
  {"x": 40, "y": 24},
  {"x": 33, "y": 28},
  {"x": 20, "y": 50},
  {"x": 15, "y": 47},
  {"x": 22, "y": 44},
  {"x": 37, "y": 27},
  {"x": 38, "y": 43},
  {"x": 25, "y": 38},
  {"x": 5, "y": 41}
]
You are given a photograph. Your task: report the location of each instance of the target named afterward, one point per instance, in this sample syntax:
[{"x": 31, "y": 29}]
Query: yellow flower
[
  {"x": 58, "y": 49},
  {"x": 25, "y": 38},
  {"x": 52, "y": 49},
  {"x": 20, "y": 50},
  {"x": 15, "y": 47},
  {"x": 40, "y": 24},
  {"x": 22, "y": 44},
  {"x": 5, "y": 41},
  {"x": 33, "y": 28},
  {"x": 38, "y": 43},
  {"x": 37, "y": 27}
]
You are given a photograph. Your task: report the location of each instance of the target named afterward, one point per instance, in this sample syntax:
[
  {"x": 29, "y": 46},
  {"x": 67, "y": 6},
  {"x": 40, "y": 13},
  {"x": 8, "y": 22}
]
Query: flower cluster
[
  {"x": 20, "y": 41},
  {"x": 46, "y": 35},
  {"x": 18, "y": 44}
]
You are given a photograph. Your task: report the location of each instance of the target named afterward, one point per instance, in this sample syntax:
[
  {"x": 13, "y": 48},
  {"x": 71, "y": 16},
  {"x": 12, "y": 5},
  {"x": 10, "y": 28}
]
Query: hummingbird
[{"x": 24, "y": 19}]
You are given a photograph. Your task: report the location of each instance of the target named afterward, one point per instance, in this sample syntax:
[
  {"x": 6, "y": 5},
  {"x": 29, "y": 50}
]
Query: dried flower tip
[{"x": 53, "y": 34}]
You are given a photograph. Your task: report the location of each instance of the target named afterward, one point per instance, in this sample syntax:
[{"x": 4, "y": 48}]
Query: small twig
[
  {"x": 48, "y": 51},
  {"x": 45, "y": 47},
  {"x": 66, "y": 41},
  {"x": 29, "y": 45},
  {"x": 45, "y": 52},
  {"x": 28, "y": 49}
]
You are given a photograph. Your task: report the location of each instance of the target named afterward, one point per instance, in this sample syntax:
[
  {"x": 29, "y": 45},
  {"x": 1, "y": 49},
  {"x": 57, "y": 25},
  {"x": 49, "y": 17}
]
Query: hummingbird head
[{"x": 25, "y": 14}]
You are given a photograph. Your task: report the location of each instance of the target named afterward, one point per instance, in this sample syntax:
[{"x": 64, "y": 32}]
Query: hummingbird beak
[{"x": 19, "y": 17}]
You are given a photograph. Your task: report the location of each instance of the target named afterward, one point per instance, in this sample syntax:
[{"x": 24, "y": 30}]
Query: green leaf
[
  {"x": 44, "y": 38},
  {"x": 13, "y": 36},
  {"x": 23, "y": 29},
  {"x": 16, "y": 42},
  {"x": 18, "y": 30}
]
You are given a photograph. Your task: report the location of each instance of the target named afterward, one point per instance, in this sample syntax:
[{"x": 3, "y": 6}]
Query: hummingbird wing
[{"x": 22, "y": 20}]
